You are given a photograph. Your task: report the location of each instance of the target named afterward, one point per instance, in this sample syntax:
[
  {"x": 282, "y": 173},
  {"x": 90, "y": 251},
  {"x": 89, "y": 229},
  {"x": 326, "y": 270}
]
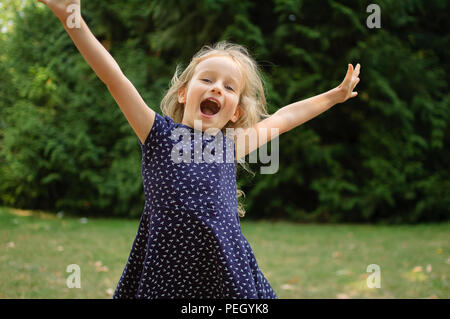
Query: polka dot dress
[{"x": 189, "y": 243}]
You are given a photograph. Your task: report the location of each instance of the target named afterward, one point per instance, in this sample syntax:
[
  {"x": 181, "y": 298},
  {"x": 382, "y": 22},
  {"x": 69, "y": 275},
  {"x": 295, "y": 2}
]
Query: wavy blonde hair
[{"x": 252, "y": 98}]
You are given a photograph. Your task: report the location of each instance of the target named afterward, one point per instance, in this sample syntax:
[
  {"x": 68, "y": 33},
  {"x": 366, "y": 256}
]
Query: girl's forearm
[
  {"x": 300, "y": 112},
  {"x": 94, "y": 53}
]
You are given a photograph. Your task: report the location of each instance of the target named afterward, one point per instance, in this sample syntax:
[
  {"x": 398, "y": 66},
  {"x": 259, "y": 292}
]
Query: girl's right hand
[{"x": 59, "y": 7}]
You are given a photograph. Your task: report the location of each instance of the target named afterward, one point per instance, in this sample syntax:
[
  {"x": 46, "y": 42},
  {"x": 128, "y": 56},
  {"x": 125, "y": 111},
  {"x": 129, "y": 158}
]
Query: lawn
[{"x": 299, "y": 260}]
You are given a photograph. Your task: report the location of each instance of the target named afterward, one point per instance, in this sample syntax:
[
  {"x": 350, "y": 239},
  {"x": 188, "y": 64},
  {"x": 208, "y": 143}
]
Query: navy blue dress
[{"x": 189, "y": 243}]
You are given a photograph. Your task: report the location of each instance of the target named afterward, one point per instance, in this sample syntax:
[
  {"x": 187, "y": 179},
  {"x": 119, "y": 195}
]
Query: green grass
[{"x": 300, "y": 261}]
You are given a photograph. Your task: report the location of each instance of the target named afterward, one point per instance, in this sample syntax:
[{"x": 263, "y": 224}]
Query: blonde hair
[{"x": 252, "y": 98}]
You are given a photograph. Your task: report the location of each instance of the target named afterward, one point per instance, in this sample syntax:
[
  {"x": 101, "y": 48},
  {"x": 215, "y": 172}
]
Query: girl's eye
[{"x": 209, "y": 81}]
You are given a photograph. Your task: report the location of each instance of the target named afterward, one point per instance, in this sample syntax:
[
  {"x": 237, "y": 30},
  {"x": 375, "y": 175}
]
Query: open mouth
[{"x": 209, "y": 107}]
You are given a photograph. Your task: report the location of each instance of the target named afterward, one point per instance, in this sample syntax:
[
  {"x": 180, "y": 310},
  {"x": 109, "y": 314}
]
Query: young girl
[{"x": 189, "y": 242}]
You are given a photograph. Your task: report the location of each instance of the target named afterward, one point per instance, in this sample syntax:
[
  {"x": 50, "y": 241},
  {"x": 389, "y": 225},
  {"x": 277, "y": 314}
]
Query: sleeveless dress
[{"x": 189, "y": 242}]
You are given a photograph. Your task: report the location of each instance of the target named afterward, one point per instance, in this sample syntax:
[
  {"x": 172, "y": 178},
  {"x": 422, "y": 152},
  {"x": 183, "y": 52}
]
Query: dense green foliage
[{"x": 382, "y": 156}]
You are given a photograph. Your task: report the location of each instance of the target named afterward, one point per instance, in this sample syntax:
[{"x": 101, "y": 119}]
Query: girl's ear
[
  {"x": 182, "y": 95},
  {"x": 237, "y": 114}
]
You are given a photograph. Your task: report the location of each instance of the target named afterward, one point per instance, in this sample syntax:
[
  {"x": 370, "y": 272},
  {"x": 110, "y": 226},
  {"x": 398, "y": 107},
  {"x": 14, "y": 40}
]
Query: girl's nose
[{"x": 216, "y": 90}]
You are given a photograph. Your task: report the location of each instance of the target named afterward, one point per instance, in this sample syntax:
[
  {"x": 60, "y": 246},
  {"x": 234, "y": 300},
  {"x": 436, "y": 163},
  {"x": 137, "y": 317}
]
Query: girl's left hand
[{"x": 345, "y": 89}]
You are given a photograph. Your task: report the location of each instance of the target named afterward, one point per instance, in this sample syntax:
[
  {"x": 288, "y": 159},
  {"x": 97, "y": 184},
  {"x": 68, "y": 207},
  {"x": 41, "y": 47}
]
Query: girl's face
[{"x": 212, "y": 95}]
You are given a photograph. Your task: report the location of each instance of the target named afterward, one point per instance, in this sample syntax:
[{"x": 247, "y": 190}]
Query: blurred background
[{"x": 367, "y": 181}]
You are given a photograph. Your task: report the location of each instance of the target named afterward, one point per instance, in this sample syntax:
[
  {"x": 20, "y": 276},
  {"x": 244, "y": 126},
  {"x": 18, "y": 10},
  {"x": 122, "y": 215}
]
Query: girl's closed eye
[{"x": 206, "y": 80}]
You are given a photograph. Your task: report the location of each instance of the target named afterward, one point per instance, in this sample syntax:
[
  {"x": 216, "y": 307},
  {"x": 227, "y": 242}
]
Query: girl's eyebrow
[{"x": 228, "y": 77}]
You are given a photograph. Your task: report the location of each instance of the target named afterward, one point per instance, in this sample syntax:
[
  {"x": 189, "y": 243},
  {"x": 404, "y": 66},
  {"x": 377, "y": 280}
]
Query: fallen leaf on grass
[
  {"x": 10, "y": 245},
  {"x": 99, "y": 267},
  {"x": 336, "y": 254},
  {"x": 342, "y": 296},
  {"x": 287, "y": 287},
  {"x": 293, "y": 280},
  {"x": 109, "y": 291},
  {"x": 417, "y": 269},
  {"x": 429, "y": 268}
]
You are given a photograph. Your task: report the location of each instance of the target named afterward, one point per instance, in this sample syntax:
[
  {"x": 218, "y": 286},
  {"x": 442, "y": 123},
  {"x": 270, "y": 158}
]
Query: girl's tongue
[{"x": 209, "y": 107}]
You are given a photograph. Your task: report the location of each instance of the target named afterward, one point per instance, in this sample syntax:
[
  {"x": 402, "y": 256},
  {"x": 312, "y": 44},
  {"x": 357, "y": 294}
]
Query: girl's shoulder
[{"x": 162, "y": 125}]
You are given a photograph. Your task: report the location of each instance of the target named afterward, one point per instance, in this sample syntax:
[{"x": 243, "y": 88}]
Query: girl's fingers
[
  {"x": 357, "y": 69},
  {"x": 354, "y": 94},
  {"x": 348, "y": 76}
]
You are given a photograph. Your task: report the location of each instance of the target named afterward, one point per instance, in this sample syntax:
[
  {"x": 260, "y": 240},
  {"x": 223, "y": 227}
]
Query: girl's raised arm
[{"x": 138, "y": 114}]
